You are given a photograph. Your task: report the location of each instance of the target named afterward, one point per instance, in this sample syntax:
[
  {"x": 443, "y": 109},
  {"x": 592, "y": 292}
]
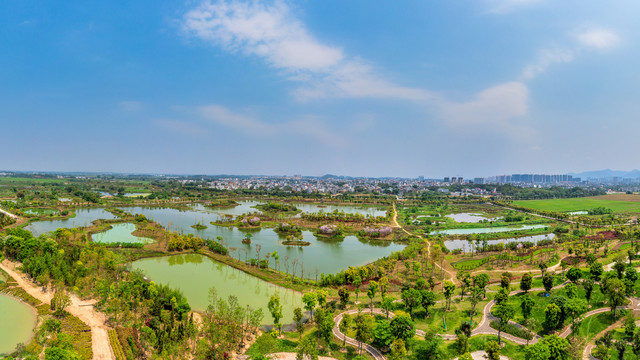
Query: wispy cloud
[
  {"x": 181, "y": 127},
  {"x": 131, "y": 105},
  {"x": 600, "y": 39},
  {"x": 307, "y": 126},
  {"x": 271, "y": 31},
  {"x": 547, "y": 58}
]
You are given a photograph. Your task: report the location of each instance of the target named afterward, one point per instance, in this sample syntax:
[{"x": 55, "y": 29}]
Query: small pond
[
  {"x": 120, "y": 233},
  {"x": 487, "y": 230},
  {"x": 17, "y": 321},
  {"x": 195, "y": 274},
  {"x": 84, "y": 217},
  {"x": 467, "y": 217},
  {"x": 464, "y": 244},
  {"x": 583, "y": 212}
]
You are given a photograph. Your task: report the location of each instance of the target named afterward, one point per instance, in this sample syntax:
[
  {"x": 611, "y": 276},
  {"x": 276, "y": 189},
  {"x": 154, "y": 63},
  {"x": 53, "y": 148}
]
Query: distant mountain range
[{"x": 607, "y": 173}]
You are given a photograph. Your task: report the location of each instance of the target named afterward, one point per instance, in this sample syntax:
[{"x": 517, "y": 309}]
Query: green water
[
  {"x": 40, "y": 211},
  {"x": 84, "y": 217},
  {"x": 487, "y": 230},
  {"x": 195, "y": 274},
  {"x": 120, "y": 233},
  {"x": 16, "y": 323},
  {"x": 324, "y": 255}
]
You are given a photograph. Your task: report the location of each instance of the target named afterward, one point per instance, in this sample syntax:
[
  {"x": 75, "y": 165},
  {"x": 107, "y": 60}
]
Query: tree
[
  {"x": 526, "y": 305},
  {"x": 427, "y": 299},
  {"x": 505, "y": 280},
  {"x": 493, "y": 350},
  {"x": 621, "y": 347},
  {"x": 631, "y": 274},
  {"x": 321, "y": 295},
  {"x": 629, "y": 326},
  {"x": 502, "y": 296},
  {"x": 384, "y": 285},
  {"x": 525, "y": 282},
  {"x": 574, "y": 274},
  {"x": 398, "y": 350},
  {"x": 575, "y": 308},
  {"x": 537, "y": 351},
  {"x": 547, "y": 282},
  {"x": 596, "y": 270},
  {"x": 275, "y": 308},
  {"x": 462, "y": 343},
  {"x": 619, "y": 267},
  {"x": 310, "y": 300},
  {"x": 357, "y": 282},
  {"x": 297, "y": 319},
  {"x": 387, "y": 302},
  {"x": 601, "y": 352},
  {"x": 363, "y": 325},
  {"x": 481, "y": 281},
  {"x": 505, "y": 313},
  {"x": 465, "y": 356},
  {"x": 411, "y": 299},
  {"x": 324, "y": 324},
  {"x": 449, "y": 288},
  {"x": 382, "y": 333},
  {"x": 558, "y": 347},
  {"x": 476, "y": 296},
  {"x": 635, "y": 344},
  {"x": 371, "y": 292},
  {"x": 465, "y": 280},
  {"x": 588, "y": 289},
  {"x": 345, "y": 325},
  {"x": 572, "y": 290},
  {"x": 543, "y": 268},
  {"x": 60, "y": 301},
  {"x": 430, "y": 348},
  {"x": 307, "y": 349},
  {"x": 403, "y": 327},
  {"x": 552, "y": 315},
  {"x": 615, "y": 292},
  {"x": 344, "y": 296}
]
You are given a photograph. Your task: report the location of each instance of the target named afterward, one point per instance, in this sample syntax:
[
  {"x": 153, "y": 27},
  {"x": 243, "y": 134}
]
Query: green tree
[
  {"x": 382, "y": 333},
  {"x": 60, "y": 302},
  {"x": 552, "y": 315},
  {"x": 558, "y": 347},
  {"x": 411, "y": 299},
  {"x": 537, "y": 351},
  {"x": 493, "y": 350},
  {"x": 310, "y": 300},
  {"x": 505, "y": 280},
  {"x": 588, "y": 285},
  {"x": 547, "y": 282},
  {"x": 275, "y": 308},
  {"x": 345, "y": 325},
  {"x": 574, "y": 274},
  {"x": 526, "y": 305},
  {"x": 297, "y": 319},
  {"x": 403, "y": 327},
  {"x": 526, "y": 282},
  {"x": 615, "y": 292},
  {"x": 504, "y": 313},
  {"x": 465, "y": 356},
  {"x": 322, "y": 294},
  {"x": 629, "y": 326},
  {"x": 384, "y": 285},
  {"x": 427, "y": 299},
  {"x": 596, "y": 270},
  {"x": 387, "y": 302},
  {"x": 344, "y": 296},
  {"x": 572, "y": 290},
  {"x": 357, "y": 282},
  {"x": 363, "y": 325},
  {"x": 398, "y": 350},
  {"x": 371, "y": 292},
  {"x": 449, "y": 288},
  {"x": 575, "y": 308},
  {"x": 307, "y": 349}
]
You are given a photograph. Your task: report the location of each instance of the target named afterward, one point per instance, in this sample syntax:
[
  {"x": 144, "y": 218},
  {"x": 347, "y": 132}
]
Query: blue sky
[{"x": 362, "y": 88}]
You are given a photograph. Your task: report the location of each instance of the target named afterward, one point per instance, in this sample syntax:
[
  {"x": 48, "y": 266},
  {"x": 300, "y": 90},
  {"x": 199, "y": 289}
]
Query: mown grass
[{"x": 629, "y": 204}]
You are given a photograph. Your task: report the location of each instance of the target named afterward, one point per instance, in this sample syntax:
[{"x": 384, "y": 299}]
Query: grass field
[{"x": 619, "y": 203}]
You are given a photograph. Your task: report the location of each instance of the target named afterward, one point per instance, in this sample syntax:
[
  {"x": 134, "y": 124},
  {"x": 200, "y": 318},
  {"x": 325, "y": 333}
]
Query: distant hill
[{"x": 608, "y": 173}]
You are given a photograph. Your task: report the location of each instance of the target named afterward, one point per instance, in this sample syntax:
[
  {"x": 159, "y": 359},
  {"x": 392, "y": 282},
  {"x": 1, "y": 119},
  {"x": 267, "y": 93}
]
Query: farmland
[{"x": 619, "y": 203}]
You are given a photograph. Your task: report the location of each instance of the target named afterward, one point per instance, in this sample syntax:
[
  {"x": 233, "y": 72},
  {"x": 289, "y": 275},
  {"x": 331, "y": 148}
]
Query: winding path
[
  {"x": 100, "y": 344},
  {"x": 8, "y": 214}
]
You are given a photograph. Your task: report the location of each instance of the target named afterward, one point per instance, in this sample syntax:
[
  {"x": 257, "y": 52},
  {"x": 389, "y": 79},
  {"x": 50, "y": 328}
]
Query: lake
[
  {"x": 84, "y": 217},
  {"x": 328, "y": 256},
  {"x": 17, "y": 321},
  {"x": 487, "y": 230},
  {"x": 195, "y": 274}
]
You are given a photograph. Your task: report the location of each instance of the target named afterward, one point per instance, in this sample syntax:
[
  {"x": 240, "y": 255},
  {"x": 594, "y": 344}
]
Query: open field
[{"x": 619, "y": 203}]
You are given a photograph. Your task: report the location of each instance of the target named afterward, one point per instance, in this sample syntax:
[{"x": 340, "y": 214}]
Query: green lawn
[{"x": 623, "y": 204}]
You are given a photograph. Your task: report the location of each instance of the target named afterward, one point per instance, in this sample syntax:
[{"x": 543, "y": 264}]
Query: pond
[
  {"x": 38, "y": 211},
  {"x": 120, "y": 233},
  {"x": 244, "y": 207},
  {"x": 16, "y": 324},
  {"x": 487, "y": 230},
  {"x": 347, "y": 209},
  {"x": 467, "y": 217},
  {"x": 327, "y": 256},
  {"x": 583, "y": 212},
  {"x": 464, "y": 244},
  {"x": 84, "y": 217},
  {"x": 195, "y": 274}
]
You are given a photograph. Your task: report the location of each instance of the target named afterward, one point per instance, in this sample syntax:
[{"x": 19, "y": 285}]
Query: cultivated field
[{"x": 619, "y": 203}]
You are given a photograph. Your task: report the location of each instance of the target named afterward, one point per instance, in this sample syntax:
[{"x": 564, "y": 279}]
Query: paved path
[
  {"x": 100, "y": 344},
  {"x": 8, "y": 214}
]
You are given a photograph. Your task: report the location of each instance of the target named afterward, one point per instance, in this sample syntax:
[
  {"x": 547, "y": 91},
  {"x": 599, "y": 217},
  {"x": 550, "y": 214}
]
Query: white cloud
[
  {"x": 547, "y": 58},
  {"x": 495, "y": 106},
  {"x": 130, "y": 105},
  {"x": 181, "y": 127},
  {"x": 272, "y": 32},
  {"x": 599, "y": 39},
  {"x": 306, "y": 126}
]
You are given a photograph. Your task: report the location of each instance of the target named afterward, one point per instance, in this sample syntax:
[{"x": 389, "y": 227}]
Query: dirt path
[
  {"x": 82, "y": 309},
  {"x": 8, "y": 214},
  {"x": 397, "y": 225}
]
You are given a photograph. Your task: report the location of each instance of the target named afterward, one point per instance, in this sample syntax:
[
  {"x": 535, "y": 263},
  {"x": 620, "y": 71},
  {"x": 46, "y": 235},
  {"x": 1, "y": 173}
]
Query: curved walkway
[{"x": 100, "y": 344}]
